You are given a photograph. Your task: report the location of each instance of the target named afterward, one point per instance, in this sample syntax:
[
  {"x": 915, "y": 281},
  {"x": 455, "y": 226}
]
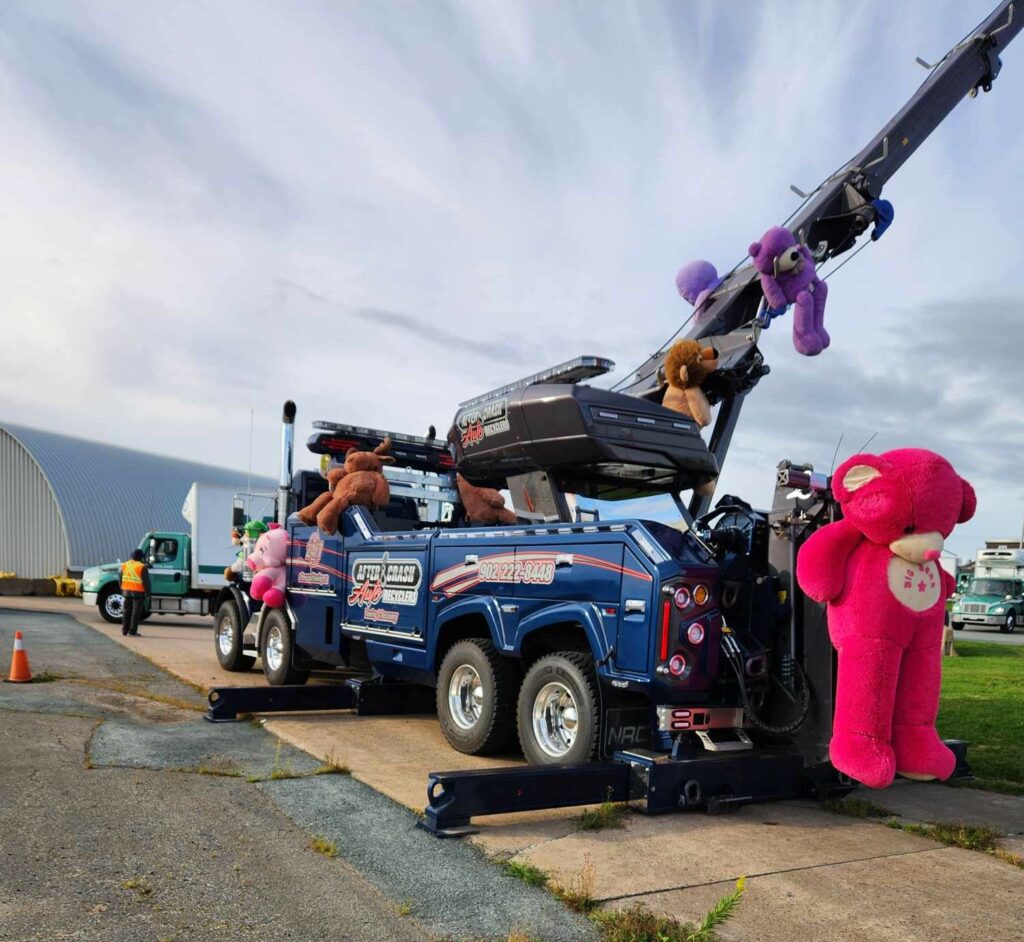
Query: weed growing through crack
[
  {"x": 139, "y": 885},
  {"x": 578, "y": 892},
  {"x": 857, "y": 808},
  {"x": 967, "y": 836},
  {"x": 331, "y": 766},
  {"x": 606, "y": 815},
  {"x": 323, "y": 846},
  {"x": 46, "y": 677},
  {"x": 527, "y": 872},
  {"x": 403, "y": 909},
  {"x": 214, "y": 770}
]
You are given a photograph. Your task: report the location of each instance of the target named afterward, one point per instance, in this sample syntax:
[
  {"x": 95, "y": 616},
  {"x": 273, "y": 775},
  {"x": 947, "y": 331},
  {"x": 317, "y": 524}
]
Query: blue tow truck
[
  {"x": 573, "y": 637},
  {"x": 675, "y": 666}
]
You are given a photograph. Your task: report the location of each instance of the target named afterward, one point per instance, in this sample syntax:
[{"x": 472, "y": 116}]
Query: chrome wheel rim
[
  {"x": 555, "y": 719},
  {"x": 1011, "y": 622},
  {"x": 465, "y": 697},
  {"x": 274, "y": 648},
  {"x": 114, "y": 605},
  {"x": 225, "y": 636}
]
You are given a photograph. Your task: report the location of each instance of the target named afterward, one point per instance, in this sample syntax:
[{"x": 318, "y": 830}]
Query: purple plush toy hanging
[{"x": 788, "y": 277}]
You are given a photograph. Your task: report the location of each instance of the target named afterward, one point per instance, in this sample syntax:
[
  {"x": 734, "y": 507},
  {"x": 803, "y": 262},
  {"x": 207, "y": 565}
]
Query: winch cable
[{"x": 735, "y": 658}]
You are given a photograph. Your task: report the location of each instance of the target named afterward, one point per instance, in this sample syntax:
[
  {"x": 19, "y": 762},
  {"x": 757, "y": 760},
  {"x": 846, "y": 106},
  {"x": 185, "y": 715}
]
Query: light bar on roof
[
  {"x": 571, "y": 371},
  {"x": 358, "y": 431}
]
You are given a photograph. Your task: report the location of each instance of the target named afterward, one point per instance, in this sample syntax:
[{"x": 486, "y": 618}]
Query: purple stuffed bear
[{"x": 788, "y": 277}]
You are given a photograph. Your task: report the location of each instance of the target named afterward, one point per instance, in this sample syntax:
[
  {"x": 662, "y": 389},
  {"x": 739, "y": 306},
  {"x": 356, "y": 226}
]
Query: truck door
[
  {"x": 316, "y": 587},
  {"x": 386, "y": 589},
  {"x": 166, "y": 556},
  {"x": 638, "y": 617}
]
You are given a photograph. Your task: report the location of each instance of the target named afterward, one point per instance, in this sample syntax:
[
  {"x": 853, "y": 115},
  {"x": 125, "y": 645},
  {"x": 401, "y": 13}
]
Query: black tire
[
  {"x": 277, "y": 650},
  {"x": 1009, "y": 626},
  {"x": 957, "y": 625},
  {"x": 227, "y": 639},
  {"x": 484, "y": 725},
  {"x": 545, "y": 742},
  {"x": 111, "y": 604}
]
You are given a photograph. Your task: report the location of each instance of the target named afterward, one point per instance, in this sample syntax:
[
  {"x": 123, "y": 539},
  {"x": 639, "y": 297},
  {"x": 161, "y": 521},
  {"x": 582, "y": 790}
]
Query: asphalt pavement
[{"x": 126, "y": 817}]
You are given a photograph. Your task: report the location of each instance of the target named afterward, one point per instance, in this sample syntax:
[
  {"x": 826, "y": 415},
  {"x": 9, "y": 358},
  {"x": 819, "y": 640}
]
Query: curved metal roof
[{"x": 109, "y": 496}]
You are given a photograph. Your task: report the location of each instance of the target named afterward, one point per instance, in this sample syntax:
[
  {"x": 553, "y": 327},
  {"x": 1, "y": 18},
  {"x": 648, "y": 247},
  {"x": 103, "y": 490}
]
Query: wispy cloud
[{"x": 467, "y": 192}]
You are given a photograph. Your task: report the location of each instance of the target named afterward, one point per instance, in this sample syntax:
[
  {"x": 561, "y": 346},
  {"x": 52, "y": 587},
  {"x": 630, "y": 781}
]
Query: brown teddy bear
[
  {"x": 358, "y": 483},
  {"x": 687, "y": 365},
  {"x": 483, "y": 505}
]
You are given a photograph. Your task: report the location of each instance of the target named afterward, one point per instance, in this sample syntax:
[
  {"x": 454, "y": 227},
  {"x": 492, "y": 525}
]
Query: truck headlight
[{"x": 999, "y": 610}]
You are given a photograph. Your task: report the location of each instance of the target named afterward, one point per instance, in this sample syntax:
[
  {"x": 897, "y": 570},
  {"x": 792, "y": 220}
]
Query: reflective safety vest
[{"x": 131, "y": 576}]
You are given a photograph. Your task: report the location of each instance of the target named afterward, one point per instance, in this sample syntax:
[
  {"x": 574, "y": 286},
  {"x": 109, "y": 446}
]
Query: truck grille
[{"x": 975, "y": 608}]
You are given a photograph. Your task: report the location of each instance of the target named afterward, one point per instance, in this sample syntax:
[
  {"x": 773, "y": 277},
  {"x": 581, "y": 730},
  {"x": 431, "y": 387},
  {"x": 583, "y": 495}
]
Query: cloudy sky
[{"x": 379, "y": 209}]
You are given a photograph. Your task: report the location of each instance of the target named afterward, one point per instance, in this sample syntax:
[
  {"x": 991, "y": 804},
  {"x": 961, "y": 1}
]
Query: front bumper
[
  {"x": 977, "y": 619},
  {"x": 90, "y": 598}
]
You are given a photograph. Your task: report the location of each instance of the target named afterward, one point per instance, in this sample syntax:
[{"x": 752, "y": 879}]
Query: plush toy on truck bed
[
  {"x": 269, "y": 562},
  {"x": 358, "y": 483},
  {"x": 877, "y": 571}
]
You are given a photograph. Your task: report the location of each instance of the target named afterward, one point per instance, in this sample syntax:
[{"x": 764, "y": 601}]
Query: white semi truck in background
[{"x": 995, "y": 596}]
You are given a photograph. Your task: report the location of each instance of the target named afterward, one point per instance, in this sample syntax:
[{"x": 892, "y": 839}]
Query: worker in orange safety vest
[{"x": 135, "y": 589}]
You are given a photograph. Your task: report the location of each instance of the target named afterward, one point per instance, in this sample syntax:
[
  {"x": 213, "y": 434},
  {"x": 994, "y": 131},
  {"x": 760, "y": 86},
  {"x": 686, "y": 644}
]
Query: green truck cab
[
  {"x": 995, "y": 596},
  {"x": 168, "y": 556}
]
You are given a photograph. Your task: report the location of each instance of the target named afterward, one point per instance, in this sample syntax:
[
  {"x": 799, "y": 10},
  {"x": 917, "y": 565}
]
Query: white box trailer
[{"x": 211, "y": 511}]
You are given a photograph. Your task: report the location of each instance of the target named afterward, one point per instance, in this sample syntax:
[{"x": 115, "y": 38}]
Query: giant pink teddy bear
[
  {"x": 876, "y": 568},
  {"x": 788, "y": 277},
  {"x": 268, "y": 560}
]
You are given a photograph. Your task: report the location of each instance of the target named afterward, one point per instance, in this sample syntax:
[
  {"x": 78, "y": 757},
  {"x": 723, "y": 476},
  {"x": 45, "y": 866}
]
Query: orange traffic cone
[{"x": 20, "y": 671}]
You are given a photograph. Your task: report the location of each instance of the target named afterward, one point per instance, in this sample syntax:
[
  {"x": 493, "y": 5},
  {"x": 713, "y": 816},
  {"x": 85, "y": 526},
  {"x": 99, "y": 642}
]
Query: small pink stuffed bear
[
  {"x": 886, "y": 594},
  {"x": 268, "y": 561}
]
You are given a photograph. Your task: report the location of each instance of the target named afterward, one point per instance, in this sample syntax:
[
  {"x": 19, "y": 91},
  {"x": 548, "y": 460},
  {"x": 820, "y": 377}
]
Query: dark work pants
[{"x": 134, "y": 609}]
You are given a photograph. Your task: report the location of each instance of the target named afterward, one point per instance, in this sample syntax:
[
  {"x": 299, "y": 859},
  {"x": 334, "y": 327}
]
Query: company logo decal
[
  {"x": 311, "y": 558},
  {"x": 382, "y": 615},
  {"x": 384, "y": 580},
  {"x": 479, "y": 422}
]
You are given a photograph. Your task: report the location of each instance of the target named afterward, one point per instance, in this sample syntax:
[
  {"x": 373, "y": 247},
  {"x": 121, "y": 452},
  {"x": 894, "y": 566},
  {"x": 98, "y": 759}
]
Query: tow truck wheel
[
  {"x": 227, "y": 635},
  {"x": 1010, "y": 625},
  {"x": 476, "y": 696},
  {"x": 558, "y": 709},
  {"x": 111, "y": 605},
  {"x": 277, "y": 645}
]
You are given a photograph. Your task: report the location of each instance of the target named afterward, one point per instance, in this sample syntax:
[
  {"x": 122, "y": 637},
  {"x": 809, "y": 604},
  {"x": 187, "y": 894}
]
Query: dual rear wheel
[{"x": 484, "y": 701}]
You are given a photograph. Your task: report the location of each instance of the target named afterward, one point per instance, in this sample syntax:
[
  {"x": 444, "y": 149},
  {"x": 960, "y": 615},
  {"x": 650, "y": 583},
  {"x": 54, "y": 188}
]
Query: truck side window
[{"x": 164, "y": 551}]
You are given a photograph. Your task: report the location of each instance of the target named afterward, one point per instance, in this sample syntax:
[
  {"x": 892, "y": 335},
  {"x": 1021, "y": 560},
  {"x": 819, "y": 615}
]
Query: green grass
[
  {"x": 323, "y": 846},
  {"x": 527, "y": 872},
  {"x": 606, "y": 815},
  {"x": 967, "y": 836},
  {"x": 636, "y": 923},
  {"x": 983, "y": 703},
  {"x": 857, "y": 808}
]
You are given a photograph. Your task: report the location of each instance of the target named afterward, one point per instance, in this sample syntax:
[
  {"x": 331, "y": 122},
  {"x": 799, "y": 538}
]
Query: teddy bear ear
[
  {"x": 854, "y": 473},
  {"x": 754, "y": 249},
  {"x": 969, "y": 504}
]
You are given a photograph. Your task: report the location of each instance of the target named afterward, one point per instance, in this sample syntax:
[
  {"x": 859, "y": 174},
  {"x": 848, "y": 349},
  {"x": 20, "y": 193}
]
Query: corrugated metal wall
[{"x": 32, "y": 540}]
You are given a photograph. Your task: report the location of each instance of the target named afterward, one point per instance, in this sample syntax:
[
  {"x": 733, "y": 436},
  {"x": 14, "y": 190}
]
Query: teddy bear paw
[
  {"x": 869, "y": 761},
  {"x": 273, "y": 597},
  {"x": 808, "y": 344},
  {"x": 920, "y": 754}
]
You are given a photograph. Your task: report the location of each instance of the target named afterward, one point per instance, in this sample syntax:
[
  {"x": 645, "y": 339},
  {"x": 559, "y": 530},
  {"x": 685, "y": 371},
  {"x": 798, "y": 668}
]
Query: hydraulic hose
[{"x": 735, "y": 658}]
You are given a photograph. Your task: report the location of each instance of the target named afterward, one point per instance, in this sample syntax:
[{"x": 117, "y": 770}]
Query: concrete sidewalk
[{"x": 812, "y": 875}]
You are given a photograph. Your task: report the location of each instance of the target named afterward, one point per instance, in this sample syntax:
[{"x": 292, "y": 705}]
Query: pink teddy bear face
[
  {"x": 909, "y": 500},
  {"x": 271, "y": 549}
]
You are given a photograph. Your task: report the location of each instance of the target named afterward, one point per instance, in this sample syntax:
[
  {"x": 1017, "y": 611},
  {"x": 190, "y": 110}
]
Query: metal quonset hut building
[{"x": 67, "y": 504}]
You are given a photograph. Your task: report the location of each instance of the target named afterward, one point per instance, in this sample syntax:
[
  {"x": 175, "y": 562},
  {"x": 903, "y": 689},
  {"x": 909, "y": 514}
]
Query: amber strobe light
[
  {"x": 666, "y": 615},
  {"x": 701, "y": 594}
]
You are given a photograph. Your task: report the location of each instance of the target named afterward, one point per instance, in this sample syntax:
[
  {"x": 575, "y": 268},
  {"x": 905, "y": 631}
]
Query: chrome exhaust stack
[{"x": 284, "y": 485}]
